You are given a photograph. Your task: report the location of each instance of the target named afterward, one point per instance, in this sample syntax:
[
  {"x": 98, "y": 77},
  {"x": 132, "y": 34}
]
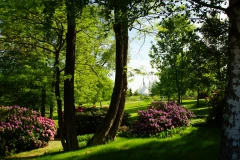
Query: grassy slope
[{"x": 193, "y": 144}]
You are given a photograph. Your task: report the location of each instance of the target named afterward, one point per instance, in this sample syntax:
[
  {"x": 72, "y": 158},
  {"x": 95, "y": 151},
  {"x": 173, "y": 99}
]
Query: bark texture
[
  {"x": 69, "y": 108},
  {"x": 109, "y": 128},
  {"x": 230, "y": 142}
]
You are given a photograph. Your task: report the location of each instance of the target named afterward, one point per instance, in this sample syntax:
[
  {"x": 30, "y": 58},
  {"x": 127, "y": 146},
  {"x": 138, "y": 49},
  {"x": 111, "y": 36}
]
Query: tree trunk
[
  {"x": 52, "y": 90},
  {"x": 118, "y": 121},
  {"x": 109, "y": 127},
  {"x": 198, "y": 97},
  {"x": 43, "y": 107},
  {"x": 179, "y": 97},
  {"x": 69, "y": 108},
  {"x": 59, "y": 101},
  {"x": 230, "y": 140},
  {"x": 177, "y": 84}
]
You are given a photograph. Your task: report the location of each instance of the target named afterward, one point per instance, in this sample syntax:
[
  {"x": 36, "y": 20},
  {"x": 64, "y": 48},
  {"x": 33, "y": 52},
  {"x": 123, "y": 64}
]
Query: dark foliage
[
  {"x": 216, "y": 103},
  {"x": 89, "y": 118}
]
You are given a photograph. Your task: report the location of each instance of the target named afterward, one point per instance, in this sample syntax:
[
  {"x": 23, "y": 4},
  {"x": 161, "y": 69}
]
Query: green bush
[
  {"x": 89, "y": 118},
  {"x": 23, "y": 129},
  {"x": 83, "y": 140},
  {"x": 215, "y": 102}
]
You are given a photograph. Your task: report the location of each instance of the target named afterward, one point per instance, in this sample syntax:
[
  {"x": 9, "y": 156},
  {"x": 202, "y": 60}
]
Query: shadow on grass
[
  {"x": 192, "y": 104},
  {"x": 200, "y": 144},
  {"x": 55, "y": 117},
  {"x": 201, "y": 111}
]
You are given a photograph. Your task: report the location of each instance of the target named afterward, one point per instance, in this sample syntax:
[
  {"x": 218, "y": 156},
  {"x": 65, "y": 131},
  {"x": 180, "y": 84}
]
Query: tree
[
  {"x": 155, "y": 89},
  {"x": 23, "y": 76},
  {"x": 208, "y": 56},
  {"x": 69, "y": 107},
  {"x": 125, "y": 14},
  {"x": 200, "y": 72},
  {"x": 230, "y": 148},
  {"x": 108, "y": 129},
  {"x": 50, "y": 20},
  {"x": 216, "y": 43},
  {"x": 31, "y": 33},
  {"x": 169, "y": 55},
  {"x": 94, "y": 59},
  {"x": 28, "y": 32}
]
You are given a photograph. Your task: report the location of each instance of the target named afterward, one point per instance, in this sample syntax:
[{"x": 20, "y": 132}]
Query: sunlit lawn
[
  {"x": 133, "y": 107},
  {"x": 194, "y": 143}
]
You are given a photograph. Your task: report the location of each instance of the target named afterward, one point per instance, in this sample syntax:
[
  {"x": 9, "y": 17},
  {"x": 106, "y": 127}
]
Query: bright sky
[{"x": 140, "y": 59}]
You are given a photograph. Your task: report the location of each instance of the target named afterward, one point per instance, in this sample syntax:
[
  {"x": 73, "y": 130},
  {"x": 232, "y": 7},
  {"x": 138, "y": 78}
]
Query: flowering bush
[
  {"x": 89, "y": 118},
  {"x": 161, "y": 116},
  {"x": 23, "y": 129}
]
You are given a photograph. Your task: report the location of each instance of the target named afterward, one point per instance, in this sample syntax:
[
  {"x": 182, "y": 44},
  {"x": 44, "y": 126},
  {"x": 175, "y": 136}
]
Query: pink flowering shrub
[
  {"x": 161, "y": 116},
  {"x": 23, "y": 129}
]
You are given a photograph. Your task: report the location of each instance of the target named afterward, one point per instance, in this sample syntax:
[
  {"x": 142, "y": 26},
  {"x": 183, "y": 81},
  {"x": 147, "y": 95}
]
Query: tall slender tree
[
  {"x": 124, "y": 15},
  {"x": 108, "y": 129}
]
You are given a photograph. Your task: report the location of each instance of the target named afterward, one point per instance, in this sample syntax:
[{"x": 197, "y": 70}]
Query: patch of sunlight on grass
[
  {"x": 53, "y": 146},
  {"x": 135, "y": 106}
]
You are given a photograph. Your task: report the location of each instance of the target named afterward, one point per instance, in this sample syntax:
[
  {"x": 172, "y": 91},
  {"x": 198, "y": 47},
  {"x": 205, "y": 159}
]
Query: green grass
[
  {"x": 133, "y": 107},
  {"x": 52, "y": 147},
  {"x": 194, "y": 143},
  {"x": 201, "y": 111}
]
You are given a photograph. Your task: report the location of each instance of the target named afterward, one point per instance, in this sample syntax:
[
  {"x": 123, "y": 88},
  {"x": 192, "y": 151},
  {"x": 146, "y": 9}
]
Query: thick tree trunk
[
  {"x": 230, "y": 142},
  {"x": 43, "y": 107},
  {"x": 69, "y": 108},
  {"x": 118, "y": 121},
  {"x": 109, "y": 127}
]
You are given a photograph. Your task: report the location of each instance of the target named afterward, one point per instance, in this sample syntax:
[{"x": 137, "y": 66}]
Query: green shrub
[
  {"x": 84, "y": 139},
  {"x": 89, "y": 118},
  {"x": 215, "y": 102},
  {"x": 23, "y": 129}
]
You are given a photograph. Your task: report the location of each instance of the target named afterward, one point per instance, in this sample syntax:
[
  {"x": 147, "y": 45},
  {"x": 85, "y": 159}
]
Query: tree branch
[
  {"x": 29, "y": 44},
  {"x": 208, "y": 5}
]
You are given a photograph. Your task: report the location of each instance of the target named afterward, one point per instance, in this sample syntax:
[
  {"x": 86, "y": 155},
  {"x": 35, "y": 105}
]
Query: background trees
[
  {"x": 33, "y": 43},
  {"x": 187, "y": 59},
  {"x": 36, "y": 31},
  {"x": 170, "y": 55}
]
